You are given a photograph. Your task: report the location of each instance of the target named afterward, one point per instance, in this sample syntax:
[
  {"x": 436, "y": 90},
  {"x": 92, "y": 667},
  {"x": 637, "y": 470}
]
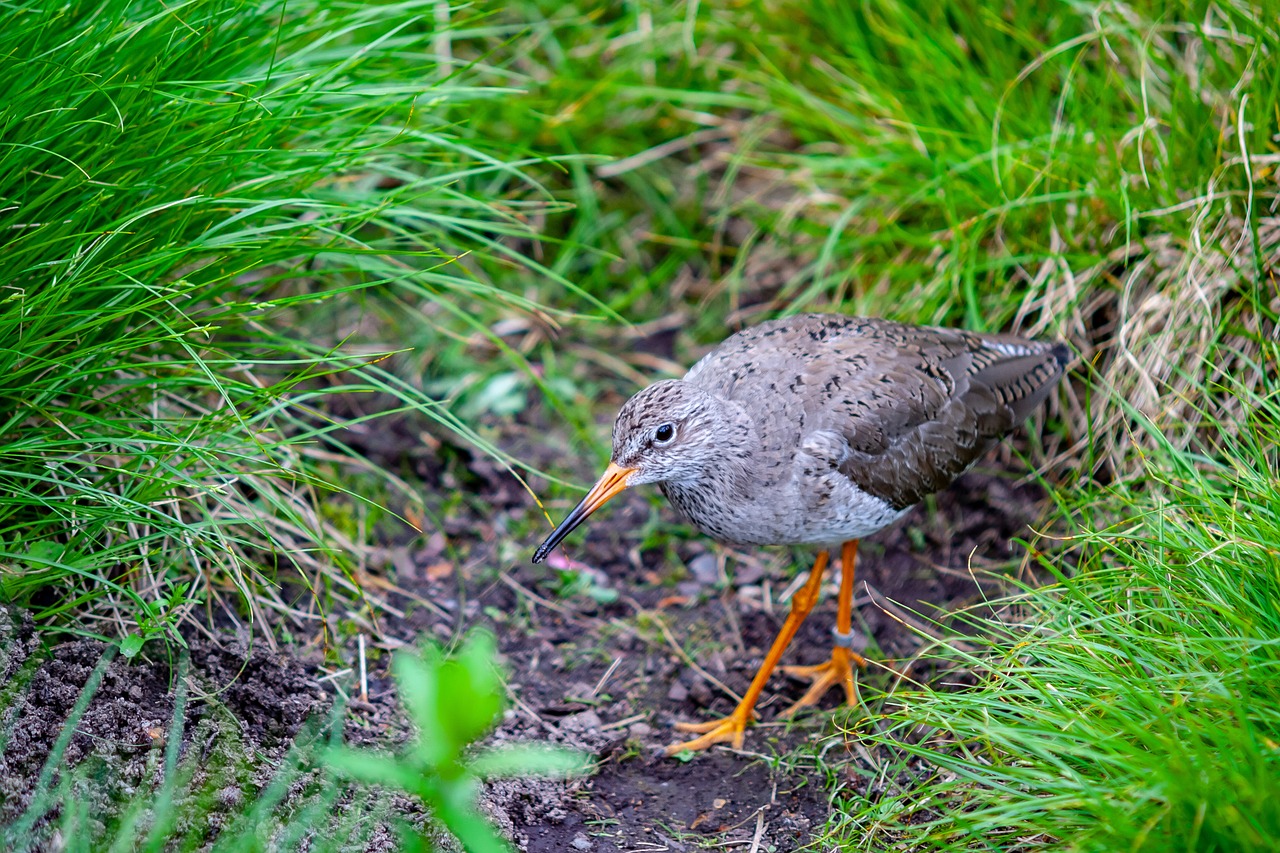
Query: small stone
[
  {"x": 748, "y": 573},
  {"x": 705, "y": 568},
  {"x": 689, "y": 589},
  {"x": 587, "y": 721},
  {"x": 716, "y": 663},
  {"x": 579, "y": 690},
  {"x": 581, "y": 842},
  {"x": 678, "y": 692},
  {"x": 639, "y": 730}
]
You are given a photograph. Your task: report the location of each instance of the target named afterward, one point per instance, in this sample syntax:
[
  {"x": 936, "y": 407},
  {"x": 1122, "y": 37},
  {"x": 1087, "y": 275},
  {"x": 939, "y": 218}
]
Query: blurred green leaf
[
  {"x": 368, "y": 766},
  {"x": 503, "y": 394},
  {"x": 528, "y": 759},
  {"x": 44, "y": 552},
  {"x": 477, "y": 836},
  {"x": 416, "y": 679},
  {"x": 454, "y": 700},
  {"x": 471, "y": 688}
]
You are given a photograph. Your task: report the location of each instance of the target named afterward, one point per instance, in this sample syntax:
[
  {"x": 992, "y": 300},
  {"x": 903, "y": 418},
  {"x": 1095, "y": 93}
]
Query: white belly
[{"x": 828, "y": 511}]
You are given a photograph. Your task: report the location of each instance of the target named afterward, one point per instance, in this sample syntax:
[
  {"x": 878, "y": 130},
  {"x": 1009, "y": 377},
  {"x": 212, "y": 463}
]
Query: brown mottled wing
[
  {"x": 952, "y": 395},
  {"x": 915, "y": 405}
]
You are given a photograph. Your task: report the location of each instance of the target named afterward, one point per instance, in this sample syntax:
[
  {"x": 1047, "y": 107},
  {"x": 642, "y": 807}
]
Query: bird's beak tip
[{"x": 614, "y": 479}]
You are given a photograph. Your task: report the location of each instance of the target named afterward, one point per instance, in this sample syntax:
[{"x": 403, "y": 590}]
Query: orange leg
[
  {"x": 839, "y": 669},
  {"x": 731, "y": 728}
]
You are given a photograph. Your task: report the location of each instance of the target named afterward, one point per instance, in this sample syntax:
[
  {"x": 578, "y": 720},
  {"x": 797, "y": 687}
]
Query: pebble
[
  {"x": 578, "y": 690},
  {"x": 678, "y": 692},
  {"x": 748, "y": 573},
  {"x": 704, "y": 568},
  {"x": 581, "y": 842},
  {"x": 587, "y": 721}
]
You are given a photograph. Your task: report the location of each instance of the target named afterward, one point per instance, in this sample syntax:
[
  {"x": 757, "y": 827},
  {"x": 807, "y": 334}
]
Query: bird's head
[{"x": 669, "y": 431}]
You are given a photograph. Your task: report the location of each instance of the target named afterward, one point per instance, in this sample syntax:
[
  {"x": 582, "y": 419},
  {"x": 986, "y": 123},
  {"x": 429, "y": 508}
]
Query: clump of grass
[
  {"x": 1082, "y": 170},
  {"x": 1132, "y": 705},
  {"x": 182, "y": 188},
  {"x": 1097, "y": 171}
]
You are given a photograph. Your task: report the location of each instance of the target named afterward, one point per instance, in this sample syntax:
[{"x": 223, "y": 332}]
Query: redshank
[{"x": 818, "y": 429}]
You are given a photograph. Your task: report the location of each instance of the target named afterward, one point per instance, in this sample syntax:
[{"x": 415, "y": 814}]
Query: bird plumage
[{"x": 819, "y": 428}]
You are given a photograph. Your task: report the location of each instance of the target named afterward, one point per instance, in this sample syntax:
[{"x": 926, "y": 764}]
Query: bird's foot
[
  {"x": 837, "y": 670},
  {"x": 730, "y": 729}
]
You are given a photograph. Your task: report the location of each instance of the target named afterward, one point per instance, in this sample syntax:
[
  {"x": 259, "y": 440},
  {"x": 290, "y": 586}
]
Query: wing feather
[{"x": 915, "y": 405}]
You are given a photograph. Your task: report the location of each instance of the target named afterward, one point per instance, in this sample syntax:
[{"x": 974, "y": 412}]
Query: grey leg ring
[{"x": 843, "y": 640}]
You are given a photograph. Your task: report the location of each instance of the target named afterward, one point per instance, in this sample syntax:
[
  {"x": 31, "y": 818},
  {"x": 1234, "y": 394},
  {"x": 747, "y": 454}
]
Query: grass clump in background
[{"x": 182, "y": 188}]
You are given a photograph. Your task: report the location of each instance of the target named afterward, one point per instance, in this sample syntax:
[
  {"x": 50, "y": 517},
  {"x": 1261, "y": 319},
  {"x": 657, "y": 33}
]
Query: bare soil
[{"x": 597, "y": 653}]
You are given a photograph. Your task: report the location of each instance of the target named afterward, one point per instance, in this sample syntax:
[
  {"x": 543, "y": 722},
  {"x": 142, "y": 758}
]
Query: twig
[
  {"x": 657, "y": 152},
  {"x": 568, "y": 613},
  {"x": 755, "y": 841},
  {"x": 624, "y": 722},
  {"x": 532, "y": 714},
  {"x": 364, "y": 672},
  {"x": 608, "y": 673},
  {"x": 337, "y": 674},
  {"x": 901, "y": 614}
]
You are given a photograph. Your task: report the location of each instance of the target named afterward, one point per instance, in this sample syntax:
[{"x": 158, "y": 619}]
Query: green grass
[
  {"x": 1133, "y": 704},
  {"x": 886, "y": 151},
  {"x": 183, "y": 190}
]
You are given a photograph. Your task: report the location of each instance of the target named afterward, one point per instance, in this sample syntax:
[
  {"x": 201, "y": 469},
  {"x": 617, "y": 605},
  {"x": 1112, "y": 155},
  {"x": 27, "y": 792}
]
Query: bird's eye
[{"x": 664, "y": 433}]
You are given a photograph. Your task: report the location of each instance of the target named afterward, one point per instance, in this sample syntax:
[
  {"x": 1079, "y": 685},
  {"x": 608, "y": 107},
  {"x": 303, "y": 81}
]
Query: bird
[{"x": 818, "y": 430}]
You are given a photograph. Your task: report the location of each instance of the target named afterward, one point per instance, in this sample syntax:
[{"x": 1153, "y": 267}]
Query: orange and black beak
[{"x": 613, "y": 480}]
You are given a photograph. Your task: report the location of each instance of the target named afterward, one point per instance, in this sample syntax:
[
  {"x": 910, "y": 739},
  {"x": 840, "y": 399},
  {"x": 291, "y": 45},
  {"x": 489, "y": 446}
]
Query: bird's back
[{"x": 908, "y": 408}]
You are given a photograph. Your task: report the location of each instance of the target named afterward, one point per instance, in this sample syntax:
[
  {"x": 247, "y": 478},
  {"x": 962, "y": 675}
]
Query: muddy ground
[{"x": 597, "y": 652}]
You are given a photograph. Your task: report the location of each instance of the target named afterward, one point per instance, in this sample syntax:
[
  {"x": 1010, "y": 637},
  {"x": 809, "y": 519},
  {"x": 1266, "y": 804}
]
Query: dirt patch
[
  {"x": 598, "y": 657},
  {"x": 722, "y": 798},
  {"x": 245, "y": 709},
  {"x": 597, "y": 654}
]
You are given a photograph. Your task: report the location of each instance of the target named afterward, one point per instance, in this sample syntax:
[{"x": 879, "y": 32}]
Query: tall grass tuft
[
  {"x": 1095, "y": 171},
  {"x": 1134, "y": 705},
  {"x": 1099, "y": 171},
  {"x": 181, "y": 187}
]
